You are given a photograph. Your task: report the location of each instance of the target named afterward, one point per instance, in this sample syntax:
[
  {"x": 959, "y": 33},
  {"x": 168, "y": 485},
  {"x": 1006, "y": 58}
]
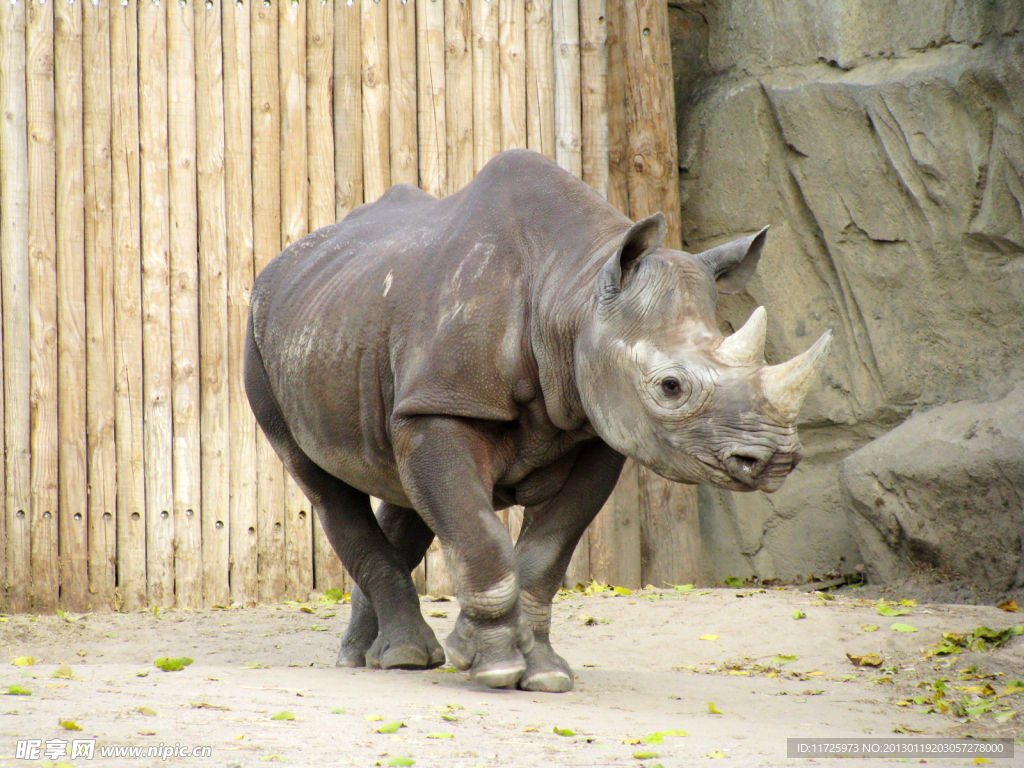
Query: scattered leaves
[
  {"x": 283, "y": 716},
  {"x": 168, "y": 664},
  {"x": 980, "y": 640},
  {"x": 867, "y": 660},
  {"x": 440, "y": 735},
  {"x": 391, "y": 727}
]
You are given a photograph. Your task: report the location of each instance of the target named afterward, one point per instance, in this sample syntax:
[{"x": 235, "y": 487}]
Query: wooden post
[
  {"x": 298, "y": 525},
  {"x": 214, "y": 318},
  {"x": 43, "y": 291},
  {"x": 402, "y": 86},
  {"x": 618, "y": 144},
  {"x": 512, "y": 72},
  {"x": 238, "y": 156},
  {"x": 458, "y": 66},
  {"x": 266, "y": 158},
  {"x": 71, "y": 361},
  {"x": 376, "y": 100},
  {"x": 486, "y": 83},
  {"x": 540, "y": 78},
  {"x": 348, "y": 108},
  {"x": 615, "y": 535},
  {"x": 433, "y": 160},
  {"x": 156, "y": 325},
  {"x": 126, "y": 203},
  {"x": 670, "y": 531},
  {"x": 99, "y": 306},
  {"x": 594, "y": 89},
  {"x": 320, "y": 52},
  {"x": 565, "y": 28},
  {"x": 184, "y": 280},
  {"x": 14, "y": 279}
]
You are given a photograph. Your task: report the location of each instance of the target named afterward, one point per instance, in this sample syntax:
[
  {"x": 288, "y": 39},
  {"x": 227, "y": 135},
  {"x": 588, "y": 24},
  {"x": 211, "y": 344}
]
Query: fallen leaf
[
  {"x": 631, "y": 741},
  {"x": 401, "y": 762},
  {"x": 306, "y": 609},
  {"x": 207, "y": 705},
  {"x": 70, "y": 725},
  {"x": 440, "y": 735},
  {"x": 391, "y": 727},
  {"x": 682, "y": 587},
  {"x": 24, "y": 661},
  {"x": 17, "y": 690},
  {"x": 798, "y": 614},
  {"x": 780, "y": 660},
  {"x": 644, "y": 755},
  {"x": 451, "y": 718},
  {"x": 172, "y": 665},
  {"x": 371, "y": 718},
  {"x": 869, "y": 627},
  {"x": 438, "y": 614},
  {"x": 716, "y": 753},
  {"x": 981, "y": 760},
  {"x": 64, "y": 671},
  {"x": 283, "y": 716},
  {"x": 337, "y": 711},
  {"x": 867, "y": 660},
  {"x": 146, "y": 711},
  {"x": 898, "y": 627},
  {"x": 709, "y": 637},
  {"x": 653, "y": 738},
  {"x": 332, "y": 596},
  {"x": 1008, "y": 605},
  {"x": 887, "y": 609},
  {"x": 713, "y": 709},
  {"x": 734, "y": 581},
  {"x": 563, "y": 731},
  {"x": 622, "y": 591}
]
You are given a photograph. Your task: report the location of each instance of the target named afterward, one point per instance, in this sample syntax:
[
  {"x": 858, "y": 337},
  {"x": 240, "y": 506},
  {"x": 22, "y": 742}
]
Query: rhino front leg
[
  {"x": 411, "y": 537},
  {"x": 447, "y": 469},
  {"x": 549, "y": 536}
]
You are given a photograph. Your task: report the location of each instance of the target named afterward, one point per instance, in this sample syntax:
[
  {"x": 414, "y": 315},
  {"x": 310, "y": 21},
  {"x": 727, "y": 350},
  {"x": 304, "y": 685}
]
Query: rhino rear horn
[
  {"x": 746, "y": 346},
  {"x": 643, "y": 237},
  {"x": 786, "y": 385}
]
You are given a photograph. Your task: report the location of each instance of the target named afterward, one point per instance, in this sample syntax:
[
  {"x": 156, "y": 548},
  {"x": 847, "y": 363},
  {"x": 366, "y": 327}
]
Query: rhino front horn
[
  {"x": 746, "y": 346},
  {"x": 786, "y": 385}
]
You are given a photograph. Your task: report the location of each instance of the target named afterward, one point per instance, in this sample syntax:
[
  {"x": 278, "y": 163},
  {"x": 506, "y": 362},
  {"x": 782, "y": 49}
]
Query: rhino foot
[
  {"x": 494, "y": 653},
  {"x": 405, "y": 648},
  {"x": 546, "y": 671}
]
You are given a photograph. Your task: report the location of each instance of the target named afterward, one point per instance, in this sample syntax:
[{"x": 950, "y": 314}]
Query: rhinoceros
[{"x": 509, "y": 344}]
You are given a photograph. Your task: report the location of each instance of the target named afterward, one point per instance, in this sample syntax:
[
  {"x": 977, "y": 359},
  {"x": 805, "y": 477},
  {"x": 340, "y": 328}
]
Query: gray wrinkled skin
[{"x": 509, "y": 344}]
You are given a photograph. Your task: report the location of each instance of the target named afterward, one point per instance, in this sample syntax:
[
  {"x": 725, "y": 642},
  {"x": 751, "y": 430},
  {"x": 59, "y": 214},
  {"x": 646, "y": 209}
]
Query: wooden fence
[{"x": 156, "y": 154}]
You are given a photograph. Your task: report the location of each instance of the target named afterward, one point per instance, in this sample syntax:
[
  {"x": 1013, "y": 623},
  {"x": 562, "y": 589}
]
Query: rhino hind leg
[
  {"x": 411, "y": 537},
  {"x": 403, "y": 639}
]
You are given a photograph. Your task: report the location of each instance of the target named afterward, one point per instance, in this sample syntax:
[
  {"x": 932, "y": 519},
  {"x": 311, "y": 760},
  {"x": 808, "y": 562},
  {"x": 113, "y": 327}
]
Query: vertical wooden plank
[
  {"x": 184, "y": 298},
  {"x": 43, "y": 294},
  {"x": 458, "y": 66},
  {"x": 298, "y": 524},
  {"x": 653, "y": 170},
  {"x": 99, "y": 306},
  {"x": 512, "y": 72},
  {"x": 14, "y": 283},
  {"x": 320, "y": 53},
  {"x": 594, "y": 90},
  {"x": 540, "y": 78},
  {"x": 402, "y": 86},
  {"x": 376, "y": 100},
  {"x": 238, "y": 122},
  {"x": 431, "y": 94},
  {"x": 565, "y": 30},
  {"x": 266, "y": 160},
  {"x": 126, "y": 203},
  {"x": 348, "y": 107},
  {"x": 486, "y": 83},
  {"x": 618, "y": 145},
  {"x": 71, "y": 360},
  {"x": 615, "y": 535},
  {"x": 156, "y": 310},
  {"x": 669, "y": 531},
  {"x": 215, "y": 413}
]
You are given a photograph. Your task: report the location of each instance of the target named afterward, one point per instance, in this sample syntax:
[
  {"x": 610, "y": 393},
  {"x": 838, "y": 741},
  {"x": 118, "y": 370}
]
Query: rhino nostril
[{"x": 746, "y": 466}]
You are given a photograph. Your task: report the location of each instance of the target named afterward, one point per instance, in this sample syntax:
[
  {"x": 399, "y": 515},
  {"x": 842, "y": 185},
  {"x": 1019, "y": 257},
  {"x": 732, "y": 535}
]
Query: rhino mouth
[{"x": 742, "y": 470}]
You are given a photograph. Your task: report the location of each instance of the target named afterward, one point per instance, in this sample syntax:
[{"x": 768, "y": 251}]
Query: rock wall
[{"x": 884, "y": 144}]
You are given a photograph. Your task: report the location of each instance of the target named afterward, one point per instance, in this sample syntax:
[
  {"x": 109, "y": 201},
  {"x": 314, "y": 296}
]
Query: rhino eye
[{"x": 671, "y": 386}]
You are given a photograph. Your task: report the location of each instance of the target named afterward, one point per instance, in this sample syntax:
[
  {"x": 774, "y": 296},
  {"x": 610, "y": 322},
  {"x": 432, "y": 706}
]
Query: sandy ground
[{"x": 642, "y": 663}]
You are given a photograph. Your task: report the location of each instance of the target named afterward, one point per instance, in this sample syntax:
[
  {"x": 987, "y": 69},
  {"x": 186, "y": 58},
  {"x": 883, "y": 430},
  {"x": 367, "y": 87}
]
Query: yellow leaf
[
  {"x": 981, "y": 760},
  {"x": 709, "y": 637},
  {"x": 814, "y": 674},
  {"x": 631, "y": 741},
  {"x": 1008, "y": 605},
  {"x": 716, "y": 753},
  {"x": 867, "y": 660},
  {"x": 374, "y": 717},
  {"x": 70, "y": 725},
  {"x": 713, "y": 709},
  {"x": 24, "y": 661}
]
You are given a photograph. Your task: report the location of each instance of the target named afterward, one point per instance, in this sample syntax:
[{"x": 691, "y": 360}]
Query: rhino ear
[
  {"x": 734, "y": 263},
  {"x": 642, "y": 238}
]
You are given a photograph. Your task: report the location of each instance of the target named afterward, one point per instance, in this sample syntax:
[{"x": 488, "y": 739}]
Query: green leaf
[
  {"x": 869, "y": 627},
  {"x": 24, "y": 661},
  {"x": 332, "y": 596},
  {"x": 283, "y": 716},
  {"x": 778, "y": 661},
  {"x": 798, "y": 614},
  {"x": 734, "y": 581},
  {"x": 65, "y": 616},
  {"x": 682, "y": 587},
  {"x": 563, "y": 731},
  {"x": 17, "y": 690},
  {"x": 401, "y": 762},
  {"x": 674, "y": 732},
  {"x": 653, "y": 738},
  {"x": 70, "y": 725},
  {"x": 899, "y": 627},
  {"x": 391, "y": 727},
  {"x": 440, "y": 735},
  {"x": 886, "y": 609},
  {"x": 644, "y": 755},
  {"x": 64, "y": 671},
  {"x": 450, "y": 718},
  {"x": 168, "y": 664},
  {"x": 715, "y": 710},
  {"x": 337, "y": 711}
]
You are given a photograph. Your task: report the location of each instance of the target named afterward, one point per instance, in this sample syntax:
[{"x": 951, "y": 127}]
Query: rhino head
[{"x": 660, "y": 384}]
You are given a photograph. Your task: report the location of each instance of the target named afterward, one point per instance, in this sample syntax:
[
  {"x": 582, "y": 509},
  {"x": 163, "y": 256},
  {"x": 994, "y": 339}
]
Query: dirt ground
[{"x": 648, "y": 662}]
